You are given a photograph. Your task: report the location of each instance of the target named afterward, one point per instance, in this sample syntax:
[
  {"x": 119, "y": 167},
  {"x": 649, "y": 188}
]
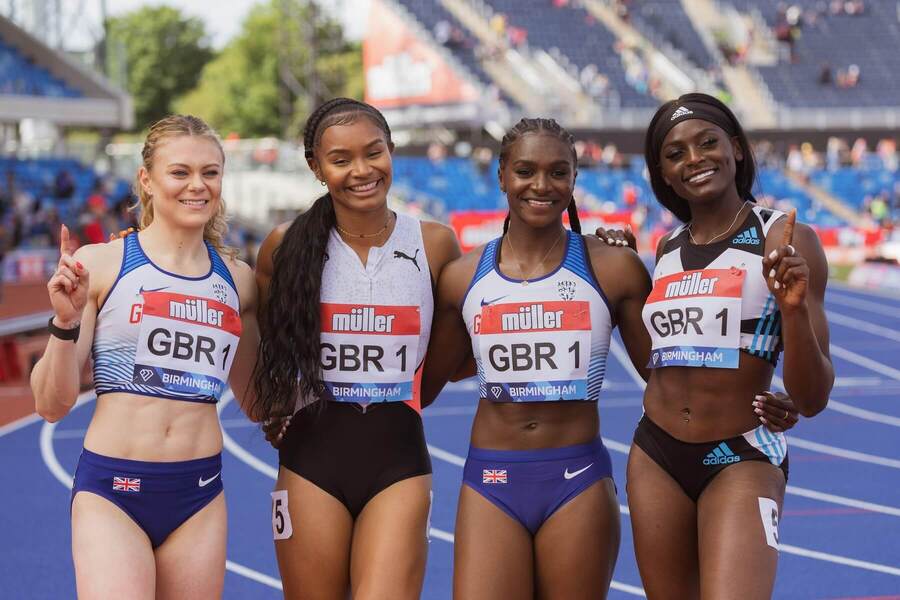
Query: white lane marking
[
  {"x": 628, "y": 589},
  {"x": 254, "y": 575},
  {"x": 852, "y": 562},
  {"x": 34, "y": 417},
  {"x": 19, "y": 423},
  {"x": 844, "y": 453},
  {"x": 233, "y": 447},
  {"x": 860, "y": 325},
  {"x": 841, "y": 560},
  {"x": 864, "y": 361},
  {"x": 254, "y": 463},
  {"x": 872, "y": 293},
  {"x": 449, "y": 457},
  {"x": 873, "y": 307},
  {"x": 61, "y": 475},
  {"x": 843, "y": 501},
  {"x": 842, "y": 382},
  {"x": 848, "y": 409},
  {"x": 622, "y": 356}
]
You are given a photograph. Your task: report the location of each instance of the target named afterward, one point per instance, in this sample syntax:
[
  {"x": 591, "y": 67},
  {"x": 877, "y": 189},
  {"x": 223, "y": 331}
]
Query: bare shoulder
[
  {"x": 265, "y": 256},
  {"x": 103, "y": 263},
  {"x": 619, "y": 270},
  {"x": 432, "y": 231},
  {"x": 244, "y": 280}
]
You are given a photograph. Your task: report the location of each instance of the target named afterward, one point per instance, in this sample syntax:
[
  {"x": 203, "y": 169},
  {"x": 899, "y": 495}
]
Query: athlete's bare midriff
[
  {"x": 151, "y": 429},
  {"x": 534, "y": 425},
  {"x": 701, "y": 404}
]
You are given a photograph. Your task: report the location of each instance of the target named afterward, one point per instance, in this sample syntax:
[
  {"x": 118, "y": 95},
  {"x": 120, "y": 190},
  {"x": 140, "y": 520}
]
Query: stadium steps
[
  {"x": 752, "y": 97},
  {"x": 671, "y": 87},
  {"x": 832, "y": 203},
  {"x": 527, "y": 80}
]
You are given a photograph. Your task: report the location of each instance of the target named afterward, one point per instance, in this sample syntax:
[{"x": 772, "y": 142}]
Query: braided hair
[
  {"x": 291, "y": 322},
  {"x": 549, "y": 126}
]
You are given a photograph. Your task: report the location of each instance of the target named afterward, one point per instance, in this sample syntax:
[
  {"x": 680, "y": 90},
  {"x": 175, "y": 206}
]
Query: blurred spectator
[
  {"x": 825, "y": 74},
  {"x": 63, "y": 185},
  {"x": 887, "y": 152}
]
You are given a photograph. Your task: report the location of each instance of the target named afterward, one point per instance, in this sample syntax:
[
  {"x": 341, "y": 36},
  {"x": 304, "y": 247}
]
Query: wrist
[
  {"x": 65, "y": 324},
  {"x": 793, "y": 311}
]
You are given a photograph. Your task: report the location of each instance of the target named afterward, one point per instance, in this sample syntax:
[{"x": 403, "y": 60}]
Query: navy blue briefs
[
  {"x": 531, "y": 485},
  {"x": 159, "y": 496}
]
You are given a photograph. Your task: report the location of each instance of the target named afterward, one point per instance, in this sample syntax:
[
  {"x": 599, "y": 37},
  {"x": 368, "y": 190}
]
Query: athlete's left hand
[
  {"x": 275, "y": 428},
  {"x": 786, "y": 272},
  {"x": 776, "y": 411}
]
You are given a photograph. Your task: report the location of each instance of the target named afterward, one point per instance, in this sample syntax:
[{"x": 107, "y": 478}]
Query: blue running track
[{"x": 839, "y": 532}]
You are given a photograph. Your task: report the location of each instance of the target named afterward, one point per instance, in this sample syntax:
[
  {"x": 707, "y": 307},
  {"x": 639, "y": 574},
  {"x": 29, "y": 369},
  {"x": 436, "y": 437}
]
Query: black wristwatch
[{"x": 63, "y": 334}]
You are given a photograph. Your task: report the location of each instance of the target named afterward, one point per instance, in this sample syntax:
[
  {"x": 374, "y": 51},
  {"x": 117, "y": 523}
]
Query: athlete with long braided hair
[{"x": 345, "y": 316}]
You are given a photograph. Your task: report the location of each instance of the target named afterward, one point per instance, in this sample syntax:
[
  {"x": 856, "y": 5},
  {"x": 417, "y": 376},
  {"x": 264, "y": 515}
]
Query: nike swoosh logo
[
  {"x": 204, "y": 482},
  {"x": 486, "y": 302},
  {"x": 568, "y": 475},
  {"x": 142, "y": 290}
]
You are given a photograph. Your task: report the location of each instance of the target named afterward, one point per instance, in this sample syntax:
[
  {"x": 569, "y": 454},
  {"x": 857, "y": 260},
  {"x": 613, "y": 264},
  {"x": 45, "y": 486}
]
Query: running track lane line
[
  {"x": 61, "y": 475},
  {"x": 815, "y": 554},
  {"x": 619, "y": 353},
  {"x": 849, "y": 409},
  {"x": 241, "y": 454}
]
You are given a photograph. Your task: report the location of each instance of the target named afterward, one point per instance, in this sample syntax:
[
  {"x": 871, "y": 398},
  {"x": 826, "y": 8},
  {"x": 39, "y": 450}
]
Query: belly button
[{"x": 531, "y": 426}]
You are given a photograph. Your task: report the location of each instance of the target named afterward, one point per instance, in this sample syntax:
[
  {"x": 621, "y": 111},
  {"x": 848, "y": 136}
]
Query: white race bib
[
  {"x": 694, "y": 319},
  {"x": 186, "y": 343},
  {"x": 374, "y": 344},
  {"x": 535, "y": 351}
]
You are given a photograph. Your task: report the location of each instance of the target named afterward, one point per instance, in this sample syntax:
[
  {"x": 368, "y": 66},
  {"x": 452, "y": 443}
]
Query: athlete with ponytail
[
  {"x": 538, "y": 515},
  {"x": 346, "y": 312},
  {"x": 168, "y": 316}
]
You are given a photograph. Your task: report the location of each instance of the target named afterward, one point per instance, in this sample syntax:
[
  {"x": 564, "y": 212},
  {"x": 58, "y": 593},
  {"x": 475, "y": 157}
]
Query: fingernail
[
  {"x": 757, "y": 404},
  {"x": 610, "y": 241},
  {"x": 763, "y": 419},
  {"x": 758, "y": 411},
  {"x": 777, "y": 285},
  {"x": 772, "y": 273},
  {"x": 79, "y": 265},
  {"x": 760, "y": 397},
  {"x": 773, "y": 254}
]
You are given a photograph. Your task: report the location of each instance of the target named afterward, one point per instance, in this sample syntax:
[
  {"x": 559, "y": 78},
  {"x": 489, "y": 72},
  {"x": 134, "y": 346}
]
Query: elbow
[{"x": 48, "y": 414}]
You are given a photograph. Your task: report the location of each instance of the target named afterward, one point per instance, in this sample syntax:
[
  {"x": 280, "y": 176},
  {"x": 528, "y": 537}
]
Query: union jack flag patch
[
  {"x": 126, "y": 484},
  {"x": 493, "y": 476}
]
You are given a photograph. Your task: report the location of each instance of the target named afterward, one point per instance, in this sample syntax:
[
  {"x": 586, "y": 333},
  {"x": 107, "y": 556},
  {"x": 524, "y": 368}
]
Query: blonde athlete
[{"x": 169, "y": 317}]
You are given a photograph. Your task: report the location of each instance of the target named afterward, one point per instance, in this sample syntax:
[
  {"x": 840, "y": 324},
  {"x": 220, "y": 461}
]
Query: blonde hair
[{"x": 175, "y": 126}]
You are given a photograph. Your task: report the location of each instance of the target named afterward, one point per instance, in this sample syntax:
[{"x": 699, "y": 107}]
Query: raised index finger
[
  {"x": 787, "y": 236},
  {"x": 63, "y": 240}
]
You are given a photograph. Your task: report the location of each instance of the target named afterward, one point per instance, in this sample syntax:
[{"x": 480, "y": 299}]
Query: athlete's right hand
[
  {"x": 68, "y": 287},
  {"x": 275, "y": 428},
  {"x": 617, "y": 237}
]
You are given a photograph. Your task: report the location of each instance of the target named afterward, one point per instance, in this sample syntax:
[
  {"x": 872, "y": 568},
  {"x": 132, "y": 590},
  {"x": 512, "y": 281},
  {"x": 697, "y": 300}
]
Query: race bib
[
  {"x": 186, "y": 343},
  {"x": 377, "y": 345},
  {"x": 694, "y": 319},
  {"x": 535, "y": 351}
]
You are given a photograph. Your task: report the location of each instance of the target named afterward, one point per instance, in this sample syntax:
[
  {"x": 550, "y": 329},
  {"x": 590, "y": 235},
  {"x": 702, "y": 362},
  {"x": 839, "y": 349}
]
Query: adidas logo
[
  {"x": 682, "y": 111},
  {"x": 747, "y": 237},
  {"x": 721, "y": 455}
]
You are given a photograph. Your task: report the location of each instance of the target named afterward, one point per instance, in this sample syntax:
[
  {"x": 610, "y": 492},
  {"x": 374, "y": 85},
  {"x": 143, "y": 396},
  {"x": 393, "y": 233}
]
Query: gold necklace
[
  {"x": 365, "y": 235},
  {"x": 525, "y": 277},
  {"x": 710, "y": 240}
]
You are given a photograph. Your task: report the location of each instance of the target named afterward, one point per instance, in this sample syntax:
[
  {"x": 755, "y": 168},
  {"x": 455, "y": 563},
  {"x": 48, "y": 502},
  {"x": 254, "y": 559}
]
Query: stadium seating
[
  {"x": 868, "y": 40},
  {"x": 665, "y": 22},
  {"x": 458, "y": 184},
  {"x": 431, "y": 12},
  {"x": 575, "y": 34},
  {"x": 853, "y": 186},
  {"x": 19, "y": 76}
]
